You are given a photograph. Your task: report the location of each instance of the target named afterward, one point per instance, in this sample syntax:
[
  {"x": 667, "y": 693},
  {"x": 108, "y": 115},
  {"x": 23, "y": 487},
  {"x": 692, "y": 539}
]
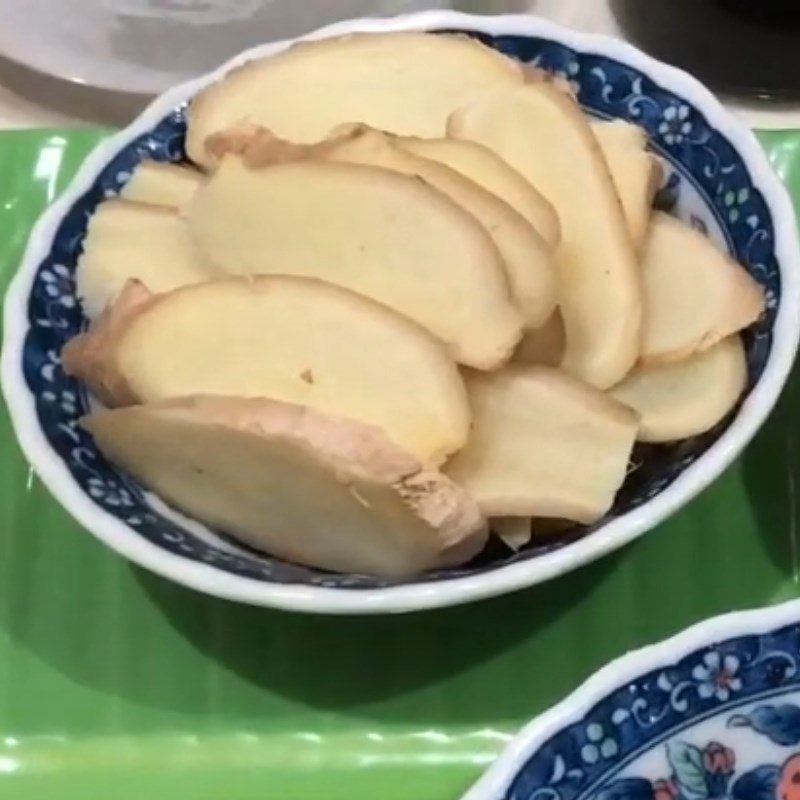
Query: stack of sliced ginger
[{"x": 405, "y": 287}]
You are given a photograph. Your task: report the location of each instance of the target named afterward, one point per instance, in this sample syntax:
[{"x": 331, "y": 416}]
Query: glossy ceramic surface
[
  {"x": 715, "y": 177},
  {"x": 713, "y": 713},
  {"x": 116, "y": 683}
]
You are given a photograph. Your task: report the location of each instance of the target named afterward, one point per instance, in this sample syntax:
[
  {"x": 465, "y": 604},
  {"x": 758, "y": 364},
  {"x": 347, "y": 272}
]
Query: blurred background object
[
  {"x": 749, "y": 47},
  {"x": 145, "y": 46},
  {"x": 100, "y": 61}
]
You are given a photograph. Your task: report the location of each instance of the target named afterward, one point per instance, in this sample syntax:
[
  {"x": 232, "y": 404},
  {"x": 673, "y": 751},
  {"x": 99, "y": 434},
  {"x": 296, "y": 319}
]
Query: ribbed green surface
[{"x": 114, "y": 683}]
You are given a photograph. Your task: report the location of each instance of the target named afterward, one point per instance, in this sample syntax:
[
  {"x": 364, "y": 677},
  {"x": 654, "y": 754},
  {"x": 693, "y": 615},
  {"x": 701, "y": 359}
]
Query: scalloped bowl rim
[
  {"x": 617, "y": 674},
  {"x": 300, "y": 597}
]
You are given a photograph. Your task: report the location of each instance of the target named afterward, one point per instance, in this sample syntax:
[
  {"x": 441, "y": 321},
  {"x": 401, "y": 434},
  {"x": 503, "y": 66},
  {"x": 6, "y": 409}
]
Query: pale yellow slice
[
  {"x": 388, "y": 236},
  {"x": 326, "y": 492},
  {"x": 132, "y": 240},
  {"x": 480, "y": 164},
  {"x": 527, "y": 258},
  {"x": 514, "y": 532},
  {"x": 540, "y": 131},
  {"x": 90, "y": 356},
  {"x": 292, "y": 339},
  {"x": 161, "y": 184},
  {"x": 688, "y": 397},
  {"x": 695, "y": 295},
  {"x": 635, "y": 172},
  {"x": 543, "y": 445},
  {"x": 619, "y": 134},
  {"x": 406, "y": 83}
]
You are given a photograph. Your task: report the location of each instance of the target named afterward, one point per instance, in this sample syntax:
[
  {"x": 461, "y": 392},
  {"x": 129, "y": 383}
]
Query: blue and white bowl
[
  {"x": 716, "y": 177},
  {"x": 713, "y": 714}
]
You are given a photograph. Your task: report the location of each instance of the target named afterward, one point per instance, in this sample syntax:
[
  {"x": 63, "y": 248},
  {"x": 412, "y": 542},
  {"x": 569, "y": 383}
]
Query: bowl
[
  {"x": 711, "y": 713},
  {"x": 715, "y": 176}
]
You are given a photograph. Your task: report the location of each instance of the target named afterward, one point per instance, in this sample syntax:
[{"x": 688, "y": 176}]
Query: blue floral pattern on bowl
[
  {"x": 722, "y": 722},
  {"x": 706, "y": 182}
]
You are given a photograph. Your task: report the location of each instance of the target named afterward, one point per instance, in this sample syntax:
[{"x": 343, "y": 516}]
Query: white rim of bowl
[
  {"x": 416, "y": 596},
  {"x": 496, "y": 781}
]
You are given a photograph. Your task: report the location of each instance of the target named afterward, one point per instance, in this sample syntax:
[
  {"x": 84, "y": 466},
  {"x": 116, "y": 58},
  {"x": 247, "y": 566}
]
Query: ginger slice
[
  {"x": 292, "y": 339},
  {"x": 326, "y": 492},
  {"x": 694, "y": 294},
  {"x": 543, "y": 445},
  {"x": 689, "y": 397},
  {"x": 541, "y": 132},
  {"x": 388, "y": 236},
  {"x": 405, "y": 83}
]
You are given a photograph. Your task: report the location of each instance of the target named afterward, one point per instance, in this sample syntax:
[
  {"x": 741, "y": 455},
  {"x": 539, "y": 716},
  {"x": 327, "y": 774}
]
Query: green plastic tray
[{"x": 115, "y": 683}]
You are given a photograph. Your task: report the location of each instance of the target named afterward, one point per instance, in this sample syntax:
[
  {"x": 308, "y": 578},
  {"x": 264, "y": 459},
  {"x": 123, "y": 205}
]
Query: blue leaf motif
[
  {"x": 626, "y": 789},
  {"x": 779, "y": 723},
  {"x": 686, "y": 761},
  {"x": 758, "y": 784}
]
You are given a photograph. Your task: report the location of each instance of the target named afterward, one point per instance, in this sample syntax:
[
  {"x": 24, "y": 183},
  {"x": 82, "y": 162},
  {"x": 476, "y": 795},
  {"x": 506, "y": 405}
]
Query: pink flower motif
[
  {"x": 718, "y": 759},
  {"x": 665, "y": 790}
]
